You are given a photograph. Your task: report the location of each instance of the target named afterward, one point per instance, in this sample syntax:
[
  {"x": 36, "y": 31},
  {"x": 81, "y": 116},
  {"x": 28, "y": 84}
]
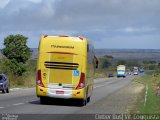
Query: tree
[
  {"x": 132, "y": 63},
  {"x": 105, "y": 63},
  {"x": 17, "y": 53},
  {"x": 121, "y": 62},
  {"x": 109, "y": 57}
]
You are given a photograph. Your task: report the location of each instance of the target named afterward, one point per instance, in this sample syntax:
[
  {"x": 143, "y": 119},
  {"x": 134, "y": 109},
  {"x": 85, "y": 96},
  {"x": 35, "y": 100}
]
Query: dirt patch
[{"x": 123, "y": 101}]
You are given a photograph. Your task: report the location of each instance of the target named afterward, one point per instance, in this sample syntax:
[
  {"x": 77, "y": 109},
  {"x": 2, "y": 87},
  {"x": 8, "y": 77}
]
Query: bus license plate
[{"x": 59, "y": 92}]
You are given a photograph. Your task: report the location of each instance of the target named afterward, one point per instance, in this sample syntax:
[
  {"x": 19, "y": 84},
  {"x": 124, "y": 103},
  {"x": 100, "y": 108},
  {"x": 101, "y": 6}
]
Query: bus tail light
[
  {"x": 81, "y": 81},
  {"x": 39, "y": 78}
]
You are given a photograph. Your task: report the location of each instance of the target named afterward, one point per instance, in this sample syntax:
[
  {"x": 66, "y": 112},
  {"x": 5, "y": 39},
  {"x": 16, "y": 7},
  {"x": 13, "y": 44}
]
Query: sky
[{"x": 110, "y": 24}]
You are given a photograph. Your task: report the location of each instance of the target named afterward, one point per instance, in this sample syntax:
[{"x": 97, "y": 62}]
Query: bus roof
[{"x": 63, "y": 43}]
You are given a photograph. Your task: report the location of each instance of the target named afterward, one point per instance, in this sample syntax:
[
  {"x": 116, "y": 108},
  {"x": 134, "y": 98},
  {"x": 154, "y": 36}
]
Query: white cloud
[{"x": 3, "y": 3}]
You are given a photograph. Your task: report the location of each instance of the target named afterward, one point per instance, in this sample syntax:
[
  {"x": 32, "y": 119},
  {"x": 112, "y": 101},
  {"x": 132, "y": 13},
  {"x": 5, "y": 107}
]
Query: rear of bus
[{"x": 61, "y": 70}]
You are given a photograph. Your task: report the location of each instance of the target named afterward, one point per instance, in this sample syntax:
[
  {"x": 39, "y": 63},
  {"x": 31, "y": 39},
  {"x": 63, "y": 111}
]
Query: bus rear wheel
[
  {"x": 82, "y": 102},
  {"x": 88, "y": 99},
  {"x": 7, "y": 90},
  {"x": 43, "y": 100},
  {"x": 4, "y": 90}
]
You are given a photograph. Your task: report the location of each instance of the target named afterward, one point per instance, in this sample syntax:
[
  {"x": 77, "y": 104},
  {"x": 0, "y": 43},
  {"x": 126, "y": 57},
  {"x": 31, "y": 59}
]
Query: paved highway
[{"x": 24, "y": 101}]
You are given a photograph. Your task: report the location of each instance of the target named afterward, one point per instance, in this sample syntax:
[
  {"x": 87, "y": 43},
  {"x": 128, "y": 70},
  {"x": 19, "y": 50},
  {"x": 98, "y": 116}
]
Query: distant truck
[
  {"x": 135, "y": 70},
  {"x": 121, "y": 71}
]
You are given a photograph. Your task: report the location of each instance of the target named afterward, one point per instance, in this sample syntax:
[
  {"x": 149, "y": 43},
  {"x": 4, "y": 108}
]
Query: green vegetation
[
  {"x": 17, "y": 53},
  {"x": 28, "y": 77},
  {"x": 151, "y": 80},
  {"x": 16, "y": 62},
  {"x": 106, "y": 66}
]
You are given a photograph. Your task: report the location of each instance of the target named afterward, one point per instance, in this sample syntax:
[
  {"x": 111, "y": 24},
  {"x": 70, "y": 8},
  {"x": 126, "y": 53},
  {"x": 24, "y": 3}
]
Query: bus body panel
[{"x": 63, "y": 63}]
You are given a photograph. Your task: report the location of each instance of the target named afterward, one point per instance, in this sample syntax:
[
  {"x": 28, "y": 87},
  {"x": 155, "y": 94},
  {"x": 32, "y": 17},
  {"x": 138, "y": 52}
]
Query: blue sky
[{"x": 130, "y": 24}]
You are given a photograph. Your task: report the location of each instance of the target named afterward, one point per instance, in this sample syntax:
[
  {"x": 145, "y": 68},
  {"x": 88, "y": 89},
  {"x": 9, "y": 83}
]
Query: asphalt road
[{"x": 25, "y": 104}]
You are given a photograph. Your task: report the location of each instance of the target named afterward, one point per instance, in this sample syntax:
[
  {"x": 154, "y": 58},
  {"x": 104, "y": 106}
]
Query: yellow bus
[{"x": 65, "y": 68}]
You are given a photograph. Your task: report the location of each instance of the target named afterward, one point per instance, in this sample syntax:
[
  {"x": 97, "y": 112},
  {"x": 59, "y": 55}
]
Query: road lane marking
[
  {"x": 113, "y": 82},
  {"x": 146, "y": 93},
  {"x": 16, "y": 89},
  {"x": 100, "y": 86},
  {"x": 33, "y": 100},
  {"x": 105, "y": 84},
  {"x": 18, "y": 104},
  {"x": 12, "y": 105}
]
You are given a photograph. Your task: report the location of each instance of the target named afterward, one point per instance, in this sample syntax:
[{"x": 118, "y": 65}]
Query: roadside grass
[
  {"x": 25, "y": 81},
  {"x": 28, "y": 79},
  {"x": 150, "y": 102},
  {"x": 99, "y": 73},
  {"x": 103, "y": 73}
]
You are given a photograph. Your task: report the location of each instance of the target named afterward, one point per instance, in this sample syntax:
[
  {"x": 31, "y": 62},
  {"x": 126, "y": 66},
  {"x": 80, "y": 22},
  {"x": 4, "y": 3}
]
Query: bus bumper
[
  {"x": 121, "y": 75},
  {"x": 60, "y": 93}
]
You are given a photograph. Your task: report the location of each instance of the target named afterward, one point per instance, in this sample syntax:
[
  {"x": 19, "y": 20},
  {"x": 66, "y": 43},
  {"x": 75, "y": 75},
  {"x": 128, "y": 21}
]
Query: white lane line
[
  {"x": 16, "y": 89},
  {"x": 145, "y": 99},
  {"x": 100, "y": 86},
  {"x": 11, "y": 105},
  {"x": 33, "y": 101},
  {"x": 18, "y": 104},
  {"x": 105, "y": 84}
]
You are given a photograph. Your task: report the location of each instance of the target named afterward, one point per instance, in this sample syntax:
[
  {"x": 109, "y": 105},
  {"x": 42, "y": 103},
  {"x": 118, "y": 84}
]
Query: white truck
[
  {"x": 135, "y": 70},
  {"x": 121, "y": 71}
]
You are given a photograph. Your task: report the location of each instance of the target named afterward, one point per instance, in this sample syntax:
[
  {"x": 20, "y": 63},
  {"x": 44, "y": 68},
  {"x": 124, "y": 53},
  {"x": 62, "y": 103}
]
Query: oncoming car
[{"x": 4, "y": 84}]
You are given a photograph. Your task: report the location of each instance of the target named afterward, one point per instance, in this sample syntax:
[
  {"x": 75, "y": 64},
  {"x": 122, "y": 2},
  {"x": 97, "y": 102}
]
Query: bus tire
[
  {"x": 82, "y": 102},
  {"x": 42, "y": 100},
  {"x": 7, "y": 90},
  {"x": 88, "y": 99},
  {"x": 4, "y": 90}
]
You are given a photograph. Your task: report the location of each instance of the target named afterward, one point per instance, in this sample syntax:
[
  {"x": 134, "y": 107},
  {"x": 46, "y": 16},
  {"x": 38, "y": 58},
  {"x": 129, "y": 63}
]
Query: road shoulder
[{"x": 121, "y": 101}]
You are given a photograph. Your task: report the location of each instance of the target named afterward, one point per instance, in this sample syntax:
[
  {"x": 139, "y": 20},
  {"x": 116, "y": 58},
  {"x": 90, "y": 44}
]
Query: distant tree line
[{"x": 108, "y": 61}]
